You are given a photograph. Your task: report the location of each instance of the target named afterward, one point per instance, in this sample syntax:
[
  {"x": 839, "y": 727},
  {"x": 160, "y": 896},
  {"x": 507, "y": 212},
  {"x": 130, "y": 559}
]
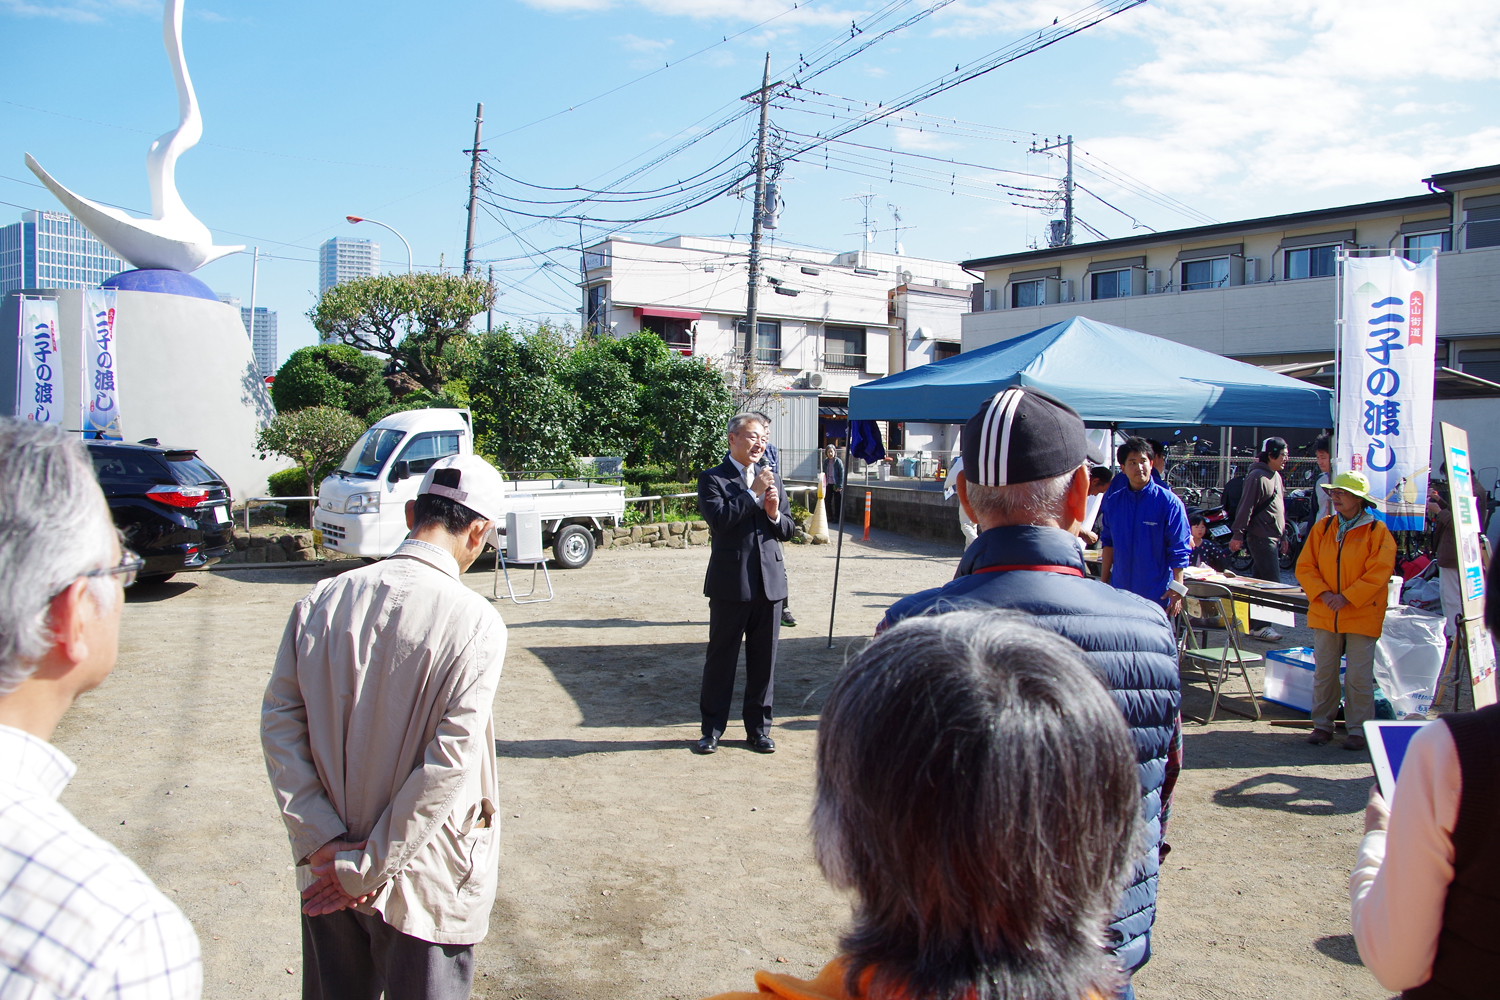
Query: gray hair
[
  {"x": 977, "y": 787},
  {"x": 739, "y": 420},
  {"x": 54, "y": 527},
  {"x": 1024, "y": 503}
]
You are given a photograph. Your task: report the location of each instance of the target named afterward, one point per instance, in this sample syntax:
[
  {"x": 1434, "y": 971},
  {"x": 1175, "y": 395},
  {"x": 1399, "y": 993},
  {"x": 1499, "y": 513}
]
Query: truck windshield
[{"x": 369, "y": 453}]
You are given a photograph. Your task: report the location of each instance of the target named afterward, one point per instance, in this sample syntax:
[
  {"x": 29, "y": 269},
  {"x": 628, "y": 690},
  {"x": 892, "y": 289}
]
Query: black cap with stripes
[{"x": 1021, "y": 436}]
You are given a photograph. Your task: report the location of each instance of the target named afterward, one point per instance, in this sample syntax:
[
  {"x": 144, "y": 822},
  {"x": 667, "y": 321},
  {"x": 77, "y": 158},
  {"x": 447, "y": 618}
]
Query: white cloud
[
  {"x": 77, "y": 10},
  {"x": 632, "y": 43},
  {"x": 739, "y": 11},
  {"x": 1290, "y": 96}
]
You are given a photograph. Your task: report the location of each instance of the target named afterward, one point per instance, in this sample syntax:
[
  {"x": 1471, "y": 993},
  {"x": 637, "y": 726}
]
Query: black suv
[{"x": 172, "y": 508}]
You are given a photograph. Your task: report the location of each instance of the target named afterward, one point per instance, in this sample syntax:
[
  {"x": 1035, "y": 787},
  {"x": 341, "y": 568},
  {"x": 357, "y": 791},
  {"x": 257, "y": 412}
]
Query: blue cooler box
[{"x": 1289, "y": 677}]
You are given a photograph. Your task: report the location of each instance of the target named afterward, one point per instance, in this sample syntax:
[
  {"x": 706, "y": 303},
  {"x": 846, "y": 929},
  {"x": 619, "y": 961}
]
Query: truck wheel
[{"x": 573, "y": 547}]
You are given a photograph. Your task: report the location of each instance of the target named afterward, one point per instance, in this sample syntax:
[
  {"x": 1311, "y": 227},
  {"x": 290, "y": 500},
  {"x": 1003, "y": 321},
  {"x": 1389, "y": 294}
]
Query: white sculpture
[{"x": 172, "y": 238}]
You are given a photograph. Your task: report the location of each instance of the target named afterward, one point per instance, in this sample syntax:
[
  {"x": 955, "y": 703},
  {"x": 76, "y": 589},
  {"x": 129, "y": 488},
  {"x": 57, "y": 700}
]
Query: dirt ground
[{"x": 631, "y": 867}]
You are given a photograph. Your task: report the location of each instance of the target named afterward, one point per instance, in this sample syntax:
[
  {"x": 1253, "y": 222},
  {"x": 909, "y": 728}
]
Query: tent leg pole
[{"x": 839, "y": 555}]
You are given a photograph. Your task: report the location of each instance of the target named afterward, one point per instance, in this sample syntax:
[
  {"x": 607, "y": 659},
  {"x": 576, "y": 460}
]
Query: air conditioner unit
[
  {"x": 814, "y": 380},
  {"x": 1153, "y": 281}
]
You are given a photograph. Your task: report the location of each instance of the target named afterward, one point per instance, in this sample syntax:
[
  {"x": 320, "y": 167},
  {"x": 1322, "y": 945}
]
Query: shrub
[
  {"x": 292, "y": 483},
  {"x": 334, "y": 375},
  {"x": 314, "y": 438}
]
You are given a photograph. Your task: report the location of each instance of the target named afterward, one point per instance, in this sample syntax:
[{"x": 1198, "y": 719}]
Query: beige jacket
[{"x": 378, "y": 724}]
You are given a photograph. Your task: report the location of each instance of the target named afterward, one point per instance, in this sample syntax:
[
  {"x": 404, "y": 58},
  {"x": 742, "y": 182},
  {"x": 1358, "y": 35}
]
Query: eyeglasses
[{"x": 129, "y": 566}]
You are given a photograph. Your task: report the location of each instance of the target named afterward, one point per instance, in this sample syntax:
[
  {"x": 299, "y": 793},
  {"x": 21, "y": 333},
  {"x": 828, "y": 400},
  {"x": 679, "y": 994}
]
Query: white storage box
[{"x": 1289, "y": 677}]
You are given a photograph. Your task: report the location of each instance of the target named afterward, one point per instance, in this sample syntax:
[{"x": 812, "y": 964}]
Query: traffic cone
[{"x": 817, "y": 527}]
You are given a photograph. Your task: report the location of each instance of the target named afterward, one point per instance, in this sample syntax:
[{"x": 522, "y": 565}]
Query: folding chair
[{"x": 1210, "y": 607}]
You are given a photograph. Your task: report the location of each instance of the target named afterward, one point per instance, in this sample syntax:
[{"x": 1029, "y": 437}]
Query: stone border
[{"x": 678, "y": 535}]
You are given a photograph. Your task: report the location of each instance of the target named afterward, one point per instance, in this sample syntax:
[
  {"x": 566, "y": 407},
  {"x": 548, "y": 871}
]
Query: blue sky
[{"x": 1232, "y": 108}]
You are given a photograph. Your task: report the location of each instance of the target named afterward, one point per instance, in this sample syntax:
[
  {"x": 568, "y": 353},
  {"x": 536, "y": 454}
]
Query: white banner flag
[
  {"x": 1389, "y": 312},
  {"x": 41, "y": 391},
  {"x": 100, "y": 399}
]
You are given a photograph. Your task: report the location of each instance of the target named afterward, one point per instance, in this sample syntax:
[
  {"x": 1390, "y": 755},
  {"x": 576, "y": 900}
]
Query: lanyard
[{"x": 1065, "y": 570}]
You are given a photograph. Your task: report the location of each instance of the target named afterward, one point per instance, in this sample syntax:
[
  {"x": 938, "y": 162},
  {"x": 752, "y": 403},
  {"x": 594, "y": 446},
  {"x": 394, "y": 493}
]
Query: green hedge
[
  {"x": 290, "y": 483},
  {"x": 644, "y": 474}
]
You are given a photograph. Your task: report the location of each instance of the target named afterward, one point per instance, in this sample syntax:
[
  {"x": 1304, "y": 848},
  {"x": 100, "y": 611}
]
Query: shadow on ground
[
  {"x": 1340, "y": 948},
  {"x": 657, "y": 684},
  {"x": 1299, "y": 794}
]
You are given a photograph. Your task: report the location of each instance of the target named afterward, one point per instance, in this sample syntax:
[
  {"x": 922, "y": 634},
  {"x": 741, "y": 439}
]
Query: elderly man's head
[
  {"x": 59, "y": 601},
  {"x": 1025, "y": 459},
  {"x": 977, "y": 789},
  {"x": 748, "y": 435}
]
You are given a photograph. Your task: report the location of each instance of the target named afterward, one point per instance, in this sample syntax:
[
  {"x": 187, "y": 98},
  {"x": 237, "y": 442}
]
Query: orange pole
[{"x": 867, "y": 515}]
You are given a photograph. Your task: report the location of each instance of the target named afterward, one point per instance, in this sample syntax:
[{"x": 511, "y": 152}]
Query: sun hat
[
  {"x": 480, "y": 488},
  {"x": 1351, "y": 482},
  {"x": 1022, "y": 436}
]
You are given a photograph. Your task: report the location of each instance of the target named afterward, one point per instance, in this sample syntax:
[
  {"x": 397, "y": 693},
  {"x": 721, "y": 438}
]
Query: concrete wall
[
  {"x": 912, "y": 512},
  {"x": 187, "y": 377}
]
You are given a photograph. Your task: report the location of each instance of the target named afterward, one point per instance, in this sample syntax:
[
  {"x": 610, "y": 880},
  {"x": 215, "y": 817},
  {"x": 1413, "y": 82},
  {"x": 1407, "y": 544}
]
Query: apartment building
[
  {"x": 826, "y": 322},
  {"x": 1263, "y": 290}
]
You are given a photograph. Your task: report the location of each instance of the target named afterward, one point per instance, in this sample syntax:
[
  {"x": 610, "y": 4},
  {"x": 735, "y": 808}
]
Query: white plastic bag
[{"x": 1409, "y": 658}]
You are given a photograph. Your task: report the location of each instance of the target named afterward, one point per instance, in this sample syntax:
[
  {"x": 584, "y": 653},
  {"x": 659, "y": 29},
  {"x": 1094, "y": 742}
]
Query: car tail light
[{"x": 178, "y": 496}]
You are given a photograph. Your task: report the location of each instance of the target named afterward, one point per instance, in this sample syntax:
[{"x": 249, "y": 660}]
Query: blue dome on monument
[{"x": 161, "y": 280}]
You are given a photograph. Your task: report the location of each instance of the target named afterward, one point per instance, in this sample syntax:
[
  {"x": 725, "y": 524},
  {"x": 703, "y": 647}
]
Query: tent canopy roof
[{"x": 1108, "y": 374}]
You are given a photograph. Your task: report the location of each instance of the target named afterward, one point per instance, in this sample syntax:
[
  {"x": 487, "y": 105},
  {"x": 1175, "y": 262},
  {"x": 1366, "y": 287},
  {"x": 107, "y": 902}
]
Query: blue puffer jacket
[{"x": 1125, "y": 637}]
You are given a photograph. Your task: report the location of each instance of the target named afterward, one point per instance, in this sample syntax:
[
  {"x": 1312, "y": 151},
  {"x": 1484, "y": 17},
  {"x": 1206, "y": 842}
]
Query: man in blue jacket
[
  {"x": 1144, "y": 541},
  {"x": 1025, "y": 483}
]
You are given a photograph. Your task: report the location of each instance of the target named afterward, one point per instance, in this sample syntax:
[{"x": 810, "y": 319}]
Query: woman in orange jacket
[{"x": 1345, "y": 569}]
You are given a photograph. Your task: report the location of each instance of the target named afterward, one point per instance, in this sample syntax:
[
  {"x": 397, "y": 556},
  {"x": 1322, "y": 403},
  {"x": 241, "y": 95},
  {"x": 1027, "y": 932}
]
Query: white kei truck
[{"x": 362, "y": 506}]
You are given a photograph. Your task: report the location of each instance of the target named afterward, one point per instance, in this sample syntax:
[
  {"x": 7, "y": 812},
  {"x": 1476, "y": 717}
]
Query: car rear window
[
  {"x": 188, "y": 470},
  {"x": 123, "y": 463}
]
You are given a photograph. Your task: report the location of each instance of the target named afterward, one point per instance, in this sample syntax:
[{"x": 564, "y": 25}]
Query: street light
[{"x": 354, "y": 219}]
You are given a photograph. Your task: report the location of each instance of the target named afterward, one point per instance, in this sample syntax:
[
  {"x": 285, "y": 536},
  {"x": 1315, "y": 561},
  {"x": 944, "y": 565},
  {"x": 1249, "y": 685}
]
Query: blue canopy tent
[{"x": 1110, "y": 375}]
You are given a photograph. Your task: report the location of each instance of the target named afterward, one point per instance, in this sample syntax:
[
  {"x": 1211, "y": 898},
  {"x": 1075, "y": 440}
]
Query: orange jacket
[
  {"x": 828, "y": 985},
  {"x": 1359, "y": 568}
]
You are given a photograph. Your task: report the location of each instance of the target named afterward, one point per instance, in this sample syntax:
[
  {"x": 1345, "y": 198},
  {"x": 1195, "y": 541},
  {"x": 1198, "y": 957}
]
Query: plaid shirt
[{"x": 77, "y": 917}]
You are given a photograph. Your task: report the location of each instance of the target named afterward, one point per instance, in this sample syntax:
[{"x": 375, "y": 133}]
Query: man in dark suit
[{"x": 745, "y": 506}]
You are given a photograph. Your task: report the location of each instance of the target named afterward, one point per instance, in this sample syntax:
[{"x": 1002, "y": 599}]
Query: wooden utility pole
[
  {"x": 752, "y": 308},
  {"x": 473, "y": 189}
]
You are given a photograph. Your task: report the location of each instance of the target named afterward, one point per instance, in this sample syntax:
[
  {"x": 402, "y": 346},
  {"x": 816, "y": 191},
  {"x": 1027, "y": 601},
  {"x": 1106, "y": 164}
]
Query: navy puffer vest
[{"x": 1125, "y": 637}]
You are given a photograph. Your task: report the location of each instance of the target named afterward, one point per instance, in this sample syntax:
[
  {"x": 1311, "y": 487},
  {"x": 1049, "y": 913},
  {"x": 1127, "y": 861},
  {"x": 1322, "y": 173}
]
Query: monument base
[{"x": 187, "y": 376}]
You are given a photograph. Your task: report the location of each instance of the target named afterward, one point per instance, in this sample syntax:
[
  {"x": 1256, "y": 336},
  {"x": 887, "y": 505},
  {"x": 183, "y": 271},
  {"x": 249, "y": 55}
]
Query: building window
[
  {"x": 1310, "y": 262},
  {"x": 597, "y": 307},
  {"x": 1028, "y": 293},
  {"x": 767, "y": 340},
  {"x": 676, "y": 333},
  {"x": 1109, "y": 284},
  {"x": 942, "y": 350},
  {"x": 1421, "y": 246},
  {"x": 844, "y": 347},
  {"x": 1212, "y": 273},
  {"x": 1484, "y": 364},
  {"x": 1482, "y": 228}
]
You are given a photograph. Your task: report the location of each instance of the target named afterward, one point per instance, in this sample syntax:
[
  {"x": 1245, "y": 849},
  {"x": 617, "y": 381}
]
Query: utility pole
[
  {"x": 752, "y": 310},
  {"x": 473, "y": 189},
  {"x": 1059, "y": 143},
  {"x": 489, "y": 314}
]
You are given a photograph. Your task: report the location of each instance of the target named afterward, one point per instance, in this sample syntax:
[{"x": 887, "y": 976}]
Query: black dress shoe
[
  {"x": 762, "y": 744},
  {"x": 707, "y": 744}
]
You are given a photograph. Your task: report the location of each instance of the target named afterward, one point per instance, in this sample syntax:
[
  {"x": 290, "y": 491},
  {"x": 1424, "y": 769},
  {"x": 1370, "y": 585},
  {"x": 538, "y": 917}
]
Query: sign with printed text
[
  {"x": 1465, "y": 509},
  {"x": 41, "y": 390},
  {"x": 99, "y": 401},
  {"x": 1385, "y": 381}
]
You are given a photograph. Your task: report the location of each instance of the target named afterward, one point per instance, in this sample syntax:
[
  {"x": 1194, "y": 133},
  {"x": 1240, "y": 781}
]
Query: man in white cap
[{"x": 379, "y": 739}]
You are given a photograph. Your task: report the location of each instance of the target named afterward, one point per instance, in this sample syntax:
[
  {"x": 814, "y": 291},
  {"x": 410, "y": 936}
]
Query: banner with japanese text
[
  {"x": 41, "y": 390},
  {"x": 1389, "y": 313},
  {"x": 99, "y": 402}
]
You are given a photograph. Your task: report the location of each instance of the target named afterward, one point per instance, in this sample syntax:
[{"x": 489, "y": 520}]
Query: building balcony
[{"x": 844, "y": 362}]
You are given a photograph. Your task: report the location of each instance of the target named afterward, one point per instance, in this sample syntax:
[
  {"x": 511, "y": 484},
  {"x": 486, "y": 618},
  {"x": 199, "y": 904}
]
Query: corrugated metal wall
[{"x": 794, "y": 432}]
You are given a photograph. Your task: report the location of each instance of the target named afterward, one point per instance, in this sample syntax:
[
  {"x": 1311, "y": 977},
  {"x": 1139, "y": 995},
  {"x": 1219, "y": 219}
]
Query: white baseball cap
[{"x": 480, "y": 488}]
